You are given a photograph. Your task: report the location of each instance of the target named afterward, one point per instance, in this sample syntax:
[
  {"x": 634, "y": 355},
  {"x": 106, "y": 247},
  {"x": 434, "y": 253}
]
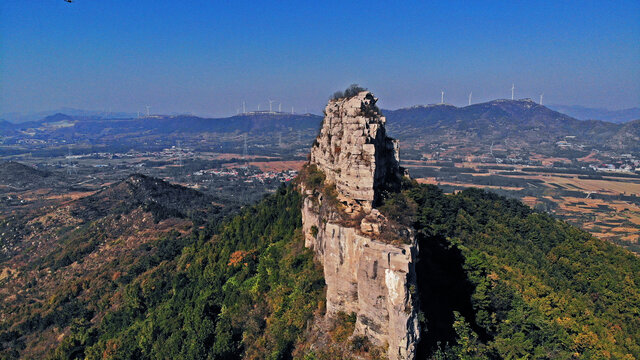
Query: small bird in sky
[{"x": 69, "y": 1}]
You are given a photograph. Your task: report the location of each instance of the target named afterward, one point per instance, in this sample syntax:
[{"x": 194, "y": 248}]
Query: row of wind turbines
[
  {"x": 271, "y": 102},
  {"x": 513, "y": 93},
  {"x": 244, "y": 108}
]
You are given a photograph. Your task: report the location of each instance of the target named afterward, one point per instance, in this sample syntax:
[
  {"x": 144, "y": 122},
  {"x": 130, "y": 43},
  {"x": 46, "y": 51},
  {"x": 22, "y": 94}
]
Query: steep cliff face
[
  {"x": 365, "y": 275},
  {"x": 353, "y": 149}
]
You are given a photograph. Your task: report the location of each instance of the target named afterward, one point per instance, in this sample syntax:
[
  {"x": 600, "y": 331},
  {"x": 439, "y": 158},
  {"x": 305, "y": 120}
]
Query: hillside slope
[
  {"x": 244, "y": 289},
  {"x": 628, "y": 136},
  {"x": 498, "y": 280},
  {"x": 17, "y": 176},
  {"x": 586, "y": 113},
  {"x": 69, "y": 261}
]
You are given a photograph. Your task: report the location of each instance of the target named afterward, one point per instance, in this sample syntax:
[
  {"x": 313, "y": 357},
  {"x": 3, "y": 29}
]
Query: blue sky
[{"x": 206, "y": 57}]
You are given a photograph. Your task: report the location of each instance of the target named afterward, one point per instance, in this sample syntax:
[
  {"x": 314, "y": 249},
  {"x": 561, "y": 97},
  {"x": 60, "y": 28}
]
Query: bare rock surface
[
  {"x": 353, "y": 149},
  {"x": 364, "y": 275}
]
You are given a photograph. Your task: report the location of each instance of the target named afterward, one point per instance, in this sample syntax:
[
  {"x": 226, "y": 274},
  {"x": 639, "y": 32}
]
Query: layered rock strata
[
  {"x": 372, "y": 278},
  {"x": 353, "y": 149}
]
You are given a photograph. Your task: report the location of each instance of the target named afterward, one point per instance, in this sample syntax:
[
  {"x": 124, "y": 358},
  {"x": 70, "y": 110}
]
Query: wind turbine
[
  {"x": 541, "y": 95},
  {"x": 513, "y": 88},
  {"x": 292, "y": 110},
  {"x": 270, "y": 102},
  {"x": 244, "y": 109},
  {"x": 470, "y": 97},
  {"x": 279, "y": 107},
  {"x": 148, "y": 110},
  {"x": 441, "y": 96}
]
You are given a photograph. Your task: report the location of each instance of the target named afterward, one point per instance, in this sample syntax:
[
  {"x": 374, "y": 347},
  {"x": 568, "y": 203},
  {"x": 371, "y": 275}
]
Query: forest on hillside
[
  {"x": 501, "y": 281},
  {"x": 497, "y": 280}
]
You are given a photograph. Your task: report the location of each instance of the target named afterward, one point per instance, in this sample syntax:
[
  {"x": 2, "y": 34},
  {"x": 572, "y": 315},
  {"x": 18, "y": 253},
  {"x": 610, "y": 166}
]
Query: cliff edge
[
  {"x": 354, "y": 151},
  {"x": 367, "y": 273}
]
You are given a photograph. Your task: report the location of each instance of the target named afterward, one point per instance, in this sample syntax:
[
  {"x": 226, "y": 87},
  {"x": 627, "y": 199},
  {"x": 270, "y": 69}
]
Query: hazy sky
[{"x": 206, "y": 57}]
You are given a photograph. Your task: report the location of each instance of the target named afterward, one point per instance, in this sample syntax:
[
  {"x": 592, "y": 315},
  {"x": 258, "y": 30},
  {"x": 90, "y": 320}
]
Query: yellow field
[
  {"x": 601, "y": 186},
  {"x": 433, "y": 181},
  {"x": 278, "y": 166}
]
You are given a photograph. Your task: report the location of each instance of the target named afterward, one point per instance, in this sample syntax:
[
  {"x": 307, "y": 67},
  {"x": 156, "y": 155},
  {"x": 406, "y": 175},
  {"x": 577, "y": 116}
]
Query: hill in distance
[
  {"x": 256, "y": 121},
  {"x": 587, "y": 113},
  {"x": 17, "y": 176},
  {"x": 162, "y": 199},
  {"x": 520, "y": 121},
  {"x": 15, "y": 117}
]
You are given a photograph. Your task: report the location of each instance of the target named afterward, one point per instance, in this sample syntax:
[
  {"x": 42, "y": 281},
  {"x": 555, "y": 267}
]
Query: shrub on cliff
[
  {"x": 311, "y": 177},
  {"x": 352, "y": 90}
]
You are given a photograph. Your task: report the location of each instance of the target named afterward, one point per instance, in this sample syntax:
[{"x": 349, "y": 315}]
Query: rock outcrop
[
  {"x": 353, "y": 149},
  {"x": 365, "y": 275}
]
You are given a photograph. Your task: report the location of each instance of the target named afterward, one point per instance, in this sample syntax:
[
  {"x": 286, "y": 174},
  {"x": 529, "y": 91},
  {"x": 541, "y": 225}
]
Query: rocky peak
[
  {"x": 365, "y": 274},
  {"x": 354, "y": 151}
]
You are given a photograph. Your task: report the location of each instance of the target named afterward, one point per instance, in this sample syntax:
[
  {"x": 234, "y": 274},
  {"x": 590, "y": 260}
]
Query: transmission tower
[
  {"x": 179, "y": 150},
  {"x": 245, "y": 152},
  {"x": 71, "y": 168}
]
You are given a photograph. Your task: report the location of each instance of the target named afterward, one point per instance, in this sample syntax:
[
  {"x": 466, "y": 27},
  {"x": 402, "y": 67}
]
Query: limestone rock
[
  {"x": 371, "y": 224},
  {"x": 369, "y": 278},
  {"x": 354, "y": 150},
  {"x": 364, "y": 275}
]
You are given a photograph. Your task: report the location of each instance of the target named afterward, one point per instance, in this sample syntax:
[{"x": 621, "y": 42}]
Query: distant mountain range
[
  {"x": 522, "y": 121},
  {"x": 258, "y": 121},
  {"x": 586, "y": 113},
  {"x": 15, "y": 117},
  {"x": 576, "y": 111}
]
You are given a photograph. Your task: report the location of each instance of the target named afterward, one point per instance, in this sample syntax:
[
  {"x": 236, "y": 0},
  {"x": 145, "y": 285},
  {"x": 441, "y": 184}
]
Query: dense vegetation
[
  {"x": 247, "y": 291},
  {"x": 496, "y": 280},
  {"x": 500, "y": 281}
]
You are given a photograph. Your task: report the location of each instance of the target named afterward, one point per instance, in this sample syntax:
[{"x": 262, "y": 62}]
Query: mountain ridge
[
  {"x": 589, "y": 113},
  {"x": 518, "y": 120},
  {"x": 524, "y": 122}
]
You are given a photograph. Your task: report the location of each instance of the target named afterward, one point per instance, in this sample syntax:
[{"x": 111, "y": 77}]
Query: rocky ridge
[{"x": 365, "y": 275}]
